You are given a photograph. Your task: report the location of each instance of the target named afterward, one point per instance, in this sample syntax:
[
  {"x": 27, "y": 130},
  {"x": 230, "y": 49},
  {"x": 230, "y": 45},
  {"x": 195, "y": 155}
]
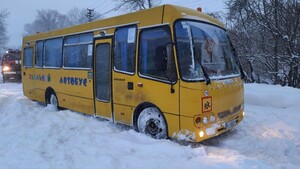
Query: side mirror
[
  {"x": 165, "y": 63},
  {"x": 170, "y": 71},
  {"x": 161, "y": 58}
]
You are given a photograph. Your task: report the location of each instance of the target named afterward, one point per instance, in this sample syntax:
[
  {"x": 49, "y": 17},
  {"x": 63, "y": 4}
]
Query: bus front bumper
[{"x": 189, "y": 132}]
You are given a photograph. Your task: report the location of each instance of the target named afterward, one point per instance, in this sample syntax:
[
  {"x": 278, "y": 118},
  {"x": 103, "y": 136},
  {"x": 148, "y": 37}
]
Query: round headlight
[
  {"x": 204, "y": 120},
  {"x": 212, "y": 118}
]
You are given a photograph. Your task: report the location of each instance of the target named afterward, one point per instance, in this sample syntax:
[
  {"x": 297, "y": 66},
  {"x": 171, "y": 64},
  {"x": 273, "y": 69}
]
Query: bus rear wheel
[
  {"x": 52, "y": 100},
  {"x": 151, "y": 122}
]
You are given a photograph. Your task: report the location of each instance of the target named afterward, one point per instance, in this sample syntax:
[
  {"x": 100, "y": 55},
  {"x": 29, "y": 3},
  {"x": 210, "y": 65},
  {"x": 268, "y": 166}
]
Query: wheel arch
[
  {"x": 140, "y": 108},
  {"x": 48, "y": 92}
]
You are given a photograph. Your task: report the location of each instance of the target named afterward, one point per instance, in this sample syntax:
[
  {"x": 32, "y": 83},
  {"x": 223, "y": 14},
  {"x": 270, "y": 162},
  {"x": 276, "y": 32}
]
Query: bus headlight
[
  {"x": 198, "y": 120},
  {"x": 201, "y": 133},
  {"x": 5, "y": 68},
  {"x": 204, "y": 120},
  {"x": 212, "y": 118}
]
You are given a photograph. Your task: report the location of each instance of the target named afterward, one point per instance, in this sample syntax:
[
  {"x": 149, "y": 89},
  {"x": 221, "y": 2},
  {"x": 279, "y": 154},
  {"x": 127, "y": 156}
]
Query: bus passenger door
[{"x": 103, "y": 96}]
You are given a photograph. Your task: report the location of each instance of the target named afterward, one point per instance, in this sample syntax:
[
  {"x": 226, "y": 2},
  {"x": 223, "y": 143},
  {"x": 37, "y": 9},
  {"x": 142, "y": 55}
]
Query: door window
[{"x": 103, "y": 72}]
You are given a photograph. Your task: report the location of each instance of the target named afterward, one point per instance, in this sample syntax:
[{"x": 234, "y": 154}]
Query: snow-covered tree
[
  {"x": 3, "y": 35},
  {"x": 266, "y": 34}
]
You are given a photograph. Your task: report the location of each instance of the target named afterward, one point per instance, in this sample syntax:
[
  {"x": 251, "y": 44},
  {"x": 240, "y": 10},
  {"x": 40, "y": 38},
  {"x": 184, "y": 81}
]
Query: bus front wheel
[{"x": 151, "y": 122}]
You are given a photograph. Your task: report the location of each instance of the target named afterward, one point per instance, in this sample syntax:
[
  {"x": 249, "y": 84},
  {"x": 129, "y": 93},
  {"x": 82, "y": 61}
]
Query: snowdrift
[{"x": 34, "y": 136}]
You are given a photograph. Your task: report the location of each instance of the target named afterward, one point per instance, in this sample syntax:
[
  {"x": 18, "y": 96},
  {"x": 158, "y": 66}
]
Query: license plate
[{"x": 230, "y": 124}]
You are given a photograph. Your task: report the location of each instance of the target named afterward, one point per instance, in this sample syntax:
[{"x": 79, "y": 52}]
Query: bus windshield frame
[{"x": 204, "y": 49}]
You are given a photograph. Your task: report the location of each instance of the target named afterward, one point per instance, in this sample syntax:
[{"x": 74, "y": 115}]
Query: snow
[
  {"x": 285, "y": 37},
  {"x": 34, "y": 136},
  {"x": 212, "y": 130},
  {"x": 295, "y": 56}
]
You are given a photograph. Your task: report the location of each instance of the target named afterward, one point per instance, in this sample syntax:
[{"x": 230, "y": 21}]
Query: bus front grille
[{"x": 227, "y": 113}]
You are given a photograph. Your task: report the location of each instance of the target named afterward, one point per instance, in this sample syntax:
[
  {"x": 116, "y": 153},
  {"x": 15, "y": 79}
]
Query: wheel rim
[
  {"x": 152, "y": 123},
  {"x": 53, "y": 100},
  {"x": 152, "y": 127}
]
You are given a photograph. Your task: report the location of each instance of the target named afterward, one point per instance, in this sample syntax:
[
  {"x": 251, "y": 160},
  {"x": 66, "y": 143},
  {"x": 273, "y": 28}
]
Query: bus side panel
[
  {"x": 42, "y": 80},
  {"x": 131, "y": 91},
  {"x": 39, "y": 95},
  {"x": 123, "y": 97},
  {"x": 27, "y": 82},
  {"x": 74, "y": 82},
  {"x": 74, "y": 88},
  {"x": 123, "y": 114},
  {"x": 173, "y": 124},
  {"x": 76, "y": 103},
  {"x": 158, "y": 93}
]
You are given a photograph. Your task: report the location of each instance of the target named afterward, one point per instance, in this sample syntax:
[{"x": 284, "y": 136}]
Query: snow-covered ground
[{"x": 33, "y": 136}]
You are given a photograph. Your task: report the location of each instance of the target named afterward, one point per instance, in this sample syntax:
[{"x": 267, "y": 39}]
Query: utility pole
[{"x": 90, "y": 15}]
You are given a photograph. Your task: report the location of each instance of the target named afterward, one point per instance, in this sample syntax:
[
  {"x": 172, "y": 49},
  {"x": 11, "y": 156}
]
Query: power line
[
  {"x": 93, "y": 4},
  {"x": 101, "y": 4},
  {"x": 113, "y": 9},
  {"x": 91, "y": 9}
]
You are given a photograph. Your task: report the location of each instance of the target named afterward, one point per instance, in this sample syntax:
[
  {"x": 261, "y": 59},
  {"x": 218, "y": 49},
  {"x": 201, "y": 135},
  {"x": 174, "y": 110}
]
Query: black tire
[
  {"x": 3, "y": 77},
  {"x": 52, "y": 100},
  {"x": 152, "y": 123}
]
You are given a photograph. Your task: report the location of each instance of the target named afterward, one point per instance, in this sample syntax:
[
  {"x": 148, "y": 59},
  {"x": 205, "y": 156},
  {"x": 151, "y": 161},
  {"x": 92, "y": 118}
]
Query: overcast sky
[{"x": 24, "y": 11}]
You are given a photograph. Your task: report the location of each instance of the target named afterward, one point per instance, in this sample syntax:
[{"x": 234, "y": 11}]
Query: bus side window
[
  {"x": 153, "y": 62},
  {"x": 124, "y": 49},
  {"x": 39, "y": 54},
  {"x": 53, "y": 53},
  {"x": 28, "y": 56},
  {"x": 78, "y": 51}
]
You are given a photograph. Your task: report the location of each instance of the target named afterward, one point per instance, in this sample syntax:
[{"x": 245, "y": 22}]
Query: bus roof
[{"x": 165, "y": 14}]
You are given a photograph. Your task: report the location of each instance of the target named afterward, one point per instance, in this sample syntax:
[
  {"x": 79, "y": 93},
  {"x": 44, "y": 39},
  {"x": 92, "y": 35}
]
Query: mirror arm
[{"x": 172, "y": 88}]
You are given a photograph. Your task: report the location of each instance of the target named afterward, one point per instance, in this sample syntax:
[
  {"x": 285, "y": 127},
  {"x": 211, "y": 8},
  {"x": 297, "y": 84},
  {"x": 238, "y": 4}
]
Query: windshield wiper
[
  {"x": 243, "y": 76},
  {"x": 205, "y": 74}
]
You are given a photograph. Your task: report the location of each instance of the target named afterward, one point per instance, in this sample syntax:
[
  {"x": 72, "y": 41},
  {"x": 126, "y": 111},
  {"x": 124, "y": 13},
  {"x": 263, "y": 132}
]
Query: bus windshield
[{"x": 204, "y": 49}]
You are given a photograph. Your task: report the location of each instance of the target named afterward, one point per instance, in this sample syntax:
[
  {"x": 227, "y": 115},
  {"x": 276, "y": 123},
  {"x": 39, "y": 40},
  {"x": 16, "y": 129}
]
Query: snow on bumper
[{"x": 189, "y": 132}]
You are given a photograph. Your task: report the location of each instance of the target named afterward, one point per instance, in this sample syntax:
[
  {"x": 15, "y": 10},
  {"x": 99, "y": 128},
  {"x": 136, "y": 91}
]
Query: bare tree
[
  {"x": 46, "y": 20},
  {"x": 3, "y": 35},
  {"x": 137, "y": 5},
  {"x": 77, "y": 16}
]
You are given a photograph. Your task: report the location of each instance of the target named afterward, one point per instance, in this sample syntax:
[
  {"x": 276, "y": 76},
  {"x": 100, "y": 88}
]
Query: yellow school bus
[{"x": 169, "y": 72}]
